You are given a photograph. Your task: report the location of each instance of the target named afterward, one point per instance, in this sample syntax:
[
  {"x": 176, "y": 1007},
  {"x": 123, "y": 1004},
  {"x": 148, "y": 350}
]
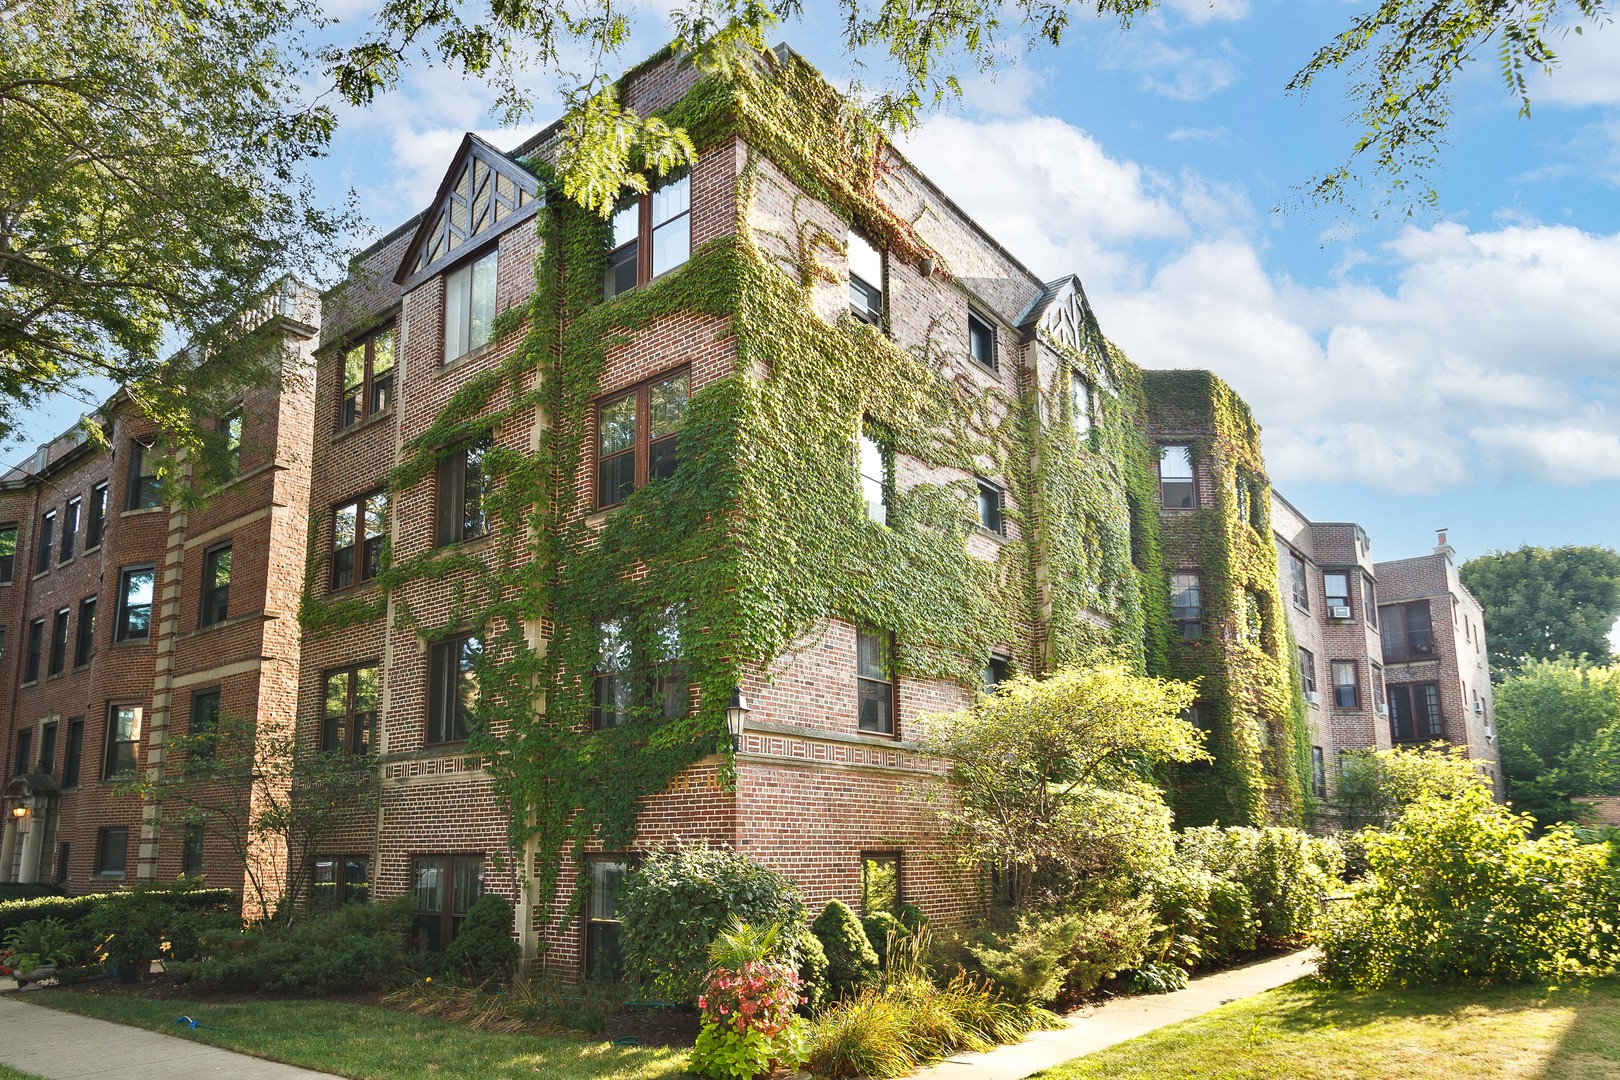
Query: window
[
  {"x": 445, "y": 887},
  {"x": 1187, "y": 603},
  {"x": 652, "y": 234},
  {"x": 25, "y": 752},
  {"x": 1176, "y": 488},
  {"x": 70, "y": 530},
  {"x": 1346, "y": 694},
  {"x": 358, "y": 529},
  {"x": 73, "y": 753},
  {"x": 874, "y": 681},
  {"x": 1408, "y": 634},
  {"x": 668, "y": 689},
  {"x": 612, "y": 689},
  {"x": 216, "y": 595},
  {"x": 84, "y": 644},
  {"x": 1251, "y": 625},
  {"x": 981, "y": 340},
  {"x": 47, "y": 749},
  {"x": 991, "y": 498},
  {"x": 671, "y": 688},
  {"x": 1197, "y": 714},
  {"x": 603, "y": 958},
  {"x": 637, "y": 438},
  {"x": 47, "y": 537},
  {"x": 142, "y": 489},
  {"x": 368, "y": 378},
  {"x": 97, "y": 522},
  {"x": 452, "y": 688},
  {"x": 36, "y": 642},
  {"x": 1080, "y": 401},
  {"x": 1414, "y": 712},
  {"x": 340, "y": 879},
  {"x": 880, "y": 884},
  {"x": 349, "y": 722},
  {"x": 1378, "y": 686},
  {"x": 135, "y": 603},
  {"x": 204, "y": 729},
  {"x": 865, "y": 280},
  {"x": 1240, "y": 493},
  {"x": 1370, "y": 600},
  {"x": 1297, "y": 582},
  {"x": 464, "y": 488},
  {"x": 112, "y": 845},
  {"x": 8, "y": 553},
  {"x": 877, "y": 477},
  {"x": 59, "y": 640},
  {"x": 1318, "y": 772},
  {"x": 996, "y": 671},
  {"x": 191, "y": 851},
  {"x": 1336, "y": 586},
  {"x": 1307, "y": 673},
  {"x": 229, "y": 430},
  {"x": 123, "y": 732},
  {"x": 469, "y": 305}
]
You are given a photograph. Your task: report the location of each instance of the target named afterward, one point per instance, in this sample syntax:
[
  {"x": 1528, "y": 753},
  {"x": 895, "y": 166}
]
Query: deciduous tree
[{"x": 1546, "y": 603}]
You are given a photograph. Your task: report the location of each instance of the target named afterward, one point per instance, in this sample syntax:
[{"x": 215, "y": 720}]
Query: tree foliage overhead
[
  {"x": 150, "y": 192},
  {"x": 1559, "y": 723},
  {"x": 1545, "y": 604}
]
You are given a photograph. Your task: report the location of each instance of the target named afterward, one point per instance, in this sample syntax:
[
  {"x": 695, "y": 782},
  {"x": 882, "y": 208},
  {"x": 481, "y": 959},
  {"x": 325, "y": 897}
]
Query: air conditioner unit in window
[
  {"x": 1383, "y": 710},
  {"x": 1312, "y": 696},
  {"x": 1479, "y": 708},
  {"x": 1338, "y": 613}
]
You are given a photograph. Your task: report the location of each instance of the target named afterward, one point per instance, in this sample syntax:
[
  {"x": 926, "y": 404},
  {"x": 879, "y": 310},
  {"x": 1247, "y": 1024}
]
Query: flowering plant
[{"x": 749, "y": 1026}]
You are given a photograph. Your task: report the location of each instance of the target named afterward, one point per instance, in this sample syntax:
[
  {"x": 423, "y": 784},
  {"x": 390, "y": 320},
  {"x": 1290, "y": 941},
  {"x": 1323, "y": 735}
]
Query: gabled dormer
[{"x": 484, "y": 194}]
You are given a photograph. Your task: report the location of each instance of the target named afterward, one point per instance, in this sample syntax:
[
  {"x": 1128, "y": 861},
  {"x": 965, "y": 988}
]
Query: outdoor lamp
[{"x": 736, "y": 717}]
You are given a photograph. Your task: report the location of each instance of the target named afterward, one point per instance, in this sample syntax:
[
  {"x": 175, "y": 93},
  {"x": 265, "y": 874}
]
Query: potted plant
[{"x": 34, "y": 950}]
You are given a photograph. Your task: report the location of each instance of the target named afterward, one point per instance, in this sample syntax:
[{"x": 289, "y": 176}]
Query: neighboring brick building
[
  {"x": 113, "y": 638},
  {"x": 1376, "y": 658}
]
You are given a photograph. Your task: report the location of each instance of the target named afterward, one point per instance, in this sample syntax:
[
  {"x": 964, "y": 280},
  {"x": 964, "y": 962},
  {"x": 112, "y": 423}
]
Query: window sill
[
  {"x": 991, "y": 534},
  {"x": 90, "y": 550},
  {"x": 64, "y": 562},
  {"x": 28, "y": 682},
  {"x": 6, "y": 583},
  {"x": 371, "y": 421},
  {"x": 141, "y": 511},
  {"x": 132, "y": 643},
  {"x": 229, "y": 620},
  {"x": 37, "y": 574},
  {"x": 351, "y": 590},
  {"x": 447, "y": 366},
  {"x": 476, "y": 544}
]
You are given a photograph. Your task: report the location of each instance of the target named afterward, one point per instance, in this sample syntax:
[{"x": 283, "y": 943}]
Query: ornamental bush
[
  {"x": 678, "y": 900},
  {"x": 1456, "y": 893},
  {"x": 882, "y": 930},
  {"x": 851, "y": 961},
  {"x": 748, "y": 1002},
  {"x": 354, "y": 947},
  {"x": 1285, "y": 871},
  {"x": 483, "y": 948}
]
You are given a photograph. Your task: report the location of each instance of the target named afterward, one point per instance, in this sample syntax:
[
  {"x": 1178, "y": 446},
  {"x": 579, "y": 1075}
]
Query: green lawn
[
  {"x": 1311, "y": 1033},
  {"x": 8, "y": 1073},
  {"x": 369, "y": 1042}
]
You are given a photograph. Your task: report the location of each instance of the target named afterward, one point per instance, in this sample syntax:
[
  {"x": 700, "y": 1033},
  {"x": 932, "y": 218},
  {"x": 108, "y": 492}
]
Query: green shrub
[
  {"x": 851, "y": 963},
  {"x": 1027, "y": 962},
  {"x": 1231, "y": 928},
  {"x": 19, "y": 890},
  {"x": 912, "y": 918},
  {"x": 73, "y": 910},
  {"x": 37, "y": 944},
  {"x": 676, "y": 901},
  {"x": 1286, "y": 872},
  {"x": 483, "y": 948},
  {"x": 355, "y": 947},
  {"x": 1111, "y": 940},
  {"x": 882, "y": 930},
  {"x": 1457, "y": 893}
]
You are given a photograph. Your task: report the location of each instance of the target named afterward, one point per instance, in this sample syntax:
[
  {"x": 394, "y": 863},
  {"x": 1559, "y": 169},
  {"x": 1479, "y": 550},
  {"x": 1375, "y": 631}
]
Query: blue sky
[{"x": 1457, "y": 369}]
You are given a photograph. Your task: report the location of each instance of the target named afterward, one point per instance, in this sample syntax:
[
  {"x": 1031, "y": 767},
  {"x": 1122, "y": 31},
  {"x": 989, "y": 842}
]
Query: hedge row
[{"x": 74, "y": 909}]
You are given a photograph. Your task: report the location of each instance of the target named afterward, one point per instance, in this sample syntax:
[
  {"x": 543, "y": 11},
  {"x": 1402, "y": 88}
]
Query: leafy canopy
[
  {"x": 1546, "y": 603},
  {"x": 150, "y": 191},
  {"x": 1055, "y": 777},
  {"x": 1559, "y": 725},
  {"x": 1376, "y": 786}
]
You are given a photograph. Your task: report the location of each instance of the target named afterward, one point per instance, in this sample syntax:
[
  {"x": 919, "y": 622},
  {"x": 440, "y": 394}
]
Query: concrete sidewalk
[
  {"x": 1090, "y": 1030},
  {"x": 62, "y": 1045}
]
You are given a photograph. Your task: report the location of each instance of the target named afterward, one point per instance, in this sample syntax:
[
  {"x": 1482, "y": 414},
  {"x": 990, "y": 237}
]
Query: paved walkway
[
  {"x": 1116, "y": 1021},
  {"x": 61, "y": 1045}
]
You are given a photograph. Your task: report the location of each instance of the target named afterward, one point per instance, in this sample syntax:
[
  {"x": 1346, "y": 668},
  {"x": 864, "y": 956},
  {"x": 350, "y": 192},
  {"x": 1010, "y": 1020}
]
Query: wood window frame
[
  {"x": 1307, "y": 670},
  {"x": 104, "y": 847},
  {"x": 142, "y": 489},
  {"x": 992, "y": 506},
  {"x": 1403, "y": 709},
  {"x": 645, "y": 239},
  {"x": 202, "y": 722},
  {"x": 8, "y": 560},
  {"x": 1347, "y": 595},
  {"x": 644, "y": 445},
  {"x": 1299, "y": 580},
  {"x": 73, "y": 753},
  {"x": 491, "y": 255},
  {"x": 111, "y": 759},
  {"x": 215, "y": 605},
  {"x": 888, "y": 856},
  {"x": 354, "y": 730},
  {"x": 347, "y": 887},
  {"x": 59, "y": 642},
  {"x": 1166, "y": 484},
  {"x": 365, "y": 552},
  {"x": 121, "y": 629},
  {"x": 867, "y": 298},
  {"x": 981, "y": 335},
  {"x": 867, "y": 685},
  {"x": 597, "y": 924},
  {"x": 1397, "y": 632},
  {"x": 1354, "y": 685},
  {"x": 24, "y": 761},
  {"x": 1188, "y": 619},
  {"x": 95, "y": 524},
  {"x": 450, "y": 719},
  {"x": 33, "y": 651},
  {"x": 371, "y": 387},
  {"x": 453, "y": 495},
  {"x": 1318, "y": 772},
  {"x": 445, "y": 921}
]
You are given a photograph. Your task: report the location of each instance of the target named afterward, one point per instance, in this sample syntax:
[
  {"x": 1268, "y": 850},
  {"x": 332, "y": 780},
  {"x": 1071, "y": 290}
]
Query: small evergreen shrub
[
  {"x": 18, "y": 890},
  {"x": 912, "y": 918},
  {"x": 676, "y": 901},
  {"x": 882, "y": 930},
  {"x": 851, "y": 962},
  {"x": 73, "y": 910},
  {"x": 483, "y": 948},
  {"x": 1045, "y": 956},
  {"x": 354, "y": 947}
]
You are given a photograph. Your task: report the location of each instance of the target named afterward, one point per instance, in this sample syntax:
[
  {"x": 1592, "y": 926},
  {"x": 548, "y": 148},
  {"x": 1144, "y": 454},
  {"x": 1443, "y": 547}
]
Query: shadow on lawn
[{"x": 1590, "y": 1047}]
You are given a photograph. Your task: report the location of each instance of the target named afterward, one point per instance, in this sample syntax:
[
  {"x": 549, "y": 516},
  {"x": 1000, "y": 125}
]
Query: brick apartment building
[
  {"x": 790, "y": 432},
  {"x": 1389, "y": 654},
  {"x": 122, "y": 619}
]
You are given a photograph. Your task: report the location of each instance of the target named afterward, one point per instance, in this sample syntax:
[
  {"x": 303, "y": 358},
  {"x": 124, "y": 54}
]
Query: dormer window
[
  {"x": 482, "y": 197},
  {"x": 652, "y": 234}
]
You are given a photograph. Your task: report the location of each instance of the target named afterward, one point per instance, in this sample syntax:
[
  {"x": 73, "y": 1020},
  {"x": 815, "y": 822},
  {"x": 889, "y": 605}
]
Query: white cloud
[
  {"x": 1446, "y": 357},
  {"x": 1587, "y": 72},
  {"x": 1197, "y": 135},
  {"x": 1204, "y": 11},
  {"x": 1181, "y": 74}
]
